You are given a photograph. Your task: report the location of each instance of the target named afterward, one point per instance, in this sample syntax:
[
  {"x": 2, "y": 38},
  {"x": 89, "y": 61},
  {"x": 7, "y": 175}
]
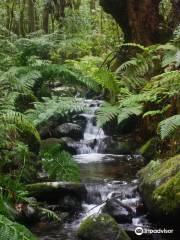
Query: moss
[
  {"x": 91, "y": 222},
  {"x": 168, "y": 194},
  {"x": 101, "y": 227},
  {"x": 160, "y": 186},
  {"x": 156, "y": 170},
  {"x": 167, "y": 169},
  {"x": 149, "y": 149}
]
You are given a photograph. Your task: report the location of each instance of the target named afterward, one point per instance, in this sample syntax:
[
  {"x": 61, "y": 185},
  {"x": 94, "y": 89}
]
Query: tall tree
[
  {"x": 141, "y": 20},
  {"x": 21, "y": 19},
  {"x": 46, "y": 17},
  {"x": 31, "y": 15},
  {"x": 93, "y": 4}
]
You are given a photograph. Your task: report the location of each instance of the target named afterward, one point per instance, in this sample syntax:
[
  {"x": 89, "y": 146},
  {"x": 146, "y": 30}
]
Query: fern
[
  {"x": 54, "y": 106},
  {"x": 60, "y": 166},
  {"x": 13, "y": 231},
  {"x": 106, "y": 113},
  {"x": 164, "y": 84},
  {"x": 176, "y": 36},
  {"x": 133, "y": 45},
  {"x": 96, "y": 78},
  {"x": 165, "y": 9},
  {"x": 50, "y": 214},
  {"x": 19, "y": 79},
  {"x": 171, "y": 55},
  {"x": 168, "y": 126},
  {"x": 132, "y": 73},
  {"x": 21, "y": 121},
  {"x": 125, "y": 113}
]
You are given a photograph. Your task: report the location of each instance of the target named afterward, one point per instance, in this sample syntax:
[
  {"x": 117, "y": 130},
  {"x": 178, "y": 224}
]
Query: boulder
[
  {"x": 53, "y": 192},
  {"x": 71, "y": 130},
  {"x": 70, "y": 204},
  {"x": 119, "y": 146},
  {"x": 28, "y": 213},
  {"x": 150, "y": 148},
  {"x": 80, "y": 119},
  {"x": 159, "y": 186},
  {"x": 129, "y": 125},
  {"x": 66, "y": 144},
  {"x": 120, "y": 212},
  {"x": 46, "y": 129},
  {"x": 101, "y": 227},
  {"x": 71, "y": 145}
]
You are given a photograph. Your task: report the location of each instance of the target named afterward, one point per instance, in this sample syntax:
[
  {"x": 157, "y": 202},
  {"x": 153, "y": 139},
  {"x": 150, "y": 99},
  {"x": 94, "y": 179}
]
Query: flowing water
[{"x": 105, "y": 176}]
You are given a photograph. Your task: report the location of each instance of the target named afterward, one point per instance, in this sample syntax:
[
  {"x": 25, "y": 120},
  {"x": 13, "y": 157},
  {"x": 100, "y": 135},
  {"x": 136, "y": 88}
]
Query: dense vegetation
[{"x": 53, "y": 54}]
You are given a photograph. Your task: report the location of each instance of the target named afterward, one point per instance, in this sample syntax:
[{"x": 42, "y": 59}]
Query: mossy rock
[
  {"x": 150, "y": 148},
  {"x": 52, "y": 192},
  {"x": 32, "y": 141},
  {"x": 160, "y": 188},
  {"x": 58, "y": 144},
  {"x": 47, "y": 144},
  {"x": 101, "y": 227},
  {"x": 129, "y": 125}
]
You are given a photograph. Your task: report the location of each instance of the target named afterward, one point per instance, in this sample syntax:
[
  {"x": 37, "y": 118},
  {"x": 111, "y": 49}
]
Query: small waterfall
[
  {"x": 106, "y": 177},
  {"x": 93, "y": 136}
]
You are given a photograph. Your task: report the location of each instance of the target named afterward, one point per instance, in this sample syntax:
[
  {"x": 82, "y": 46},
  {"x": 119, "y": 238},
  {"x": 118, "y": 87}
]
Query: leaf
[
  {"x": 169, "y": 126},
  {"x": 13, "y": 231}
]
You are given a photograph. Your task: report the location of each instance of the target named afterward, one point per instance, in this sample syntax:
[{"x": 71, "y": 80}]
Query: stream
[{"x": 105, "y": 176}]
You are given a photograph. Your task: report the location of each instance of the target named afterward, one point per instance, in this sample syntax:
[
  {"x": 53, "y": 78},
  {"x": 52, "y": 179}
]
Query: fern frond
[
  {"x": 134, "y": 45},
  {"x": 125, "y": 113},
  {"x": 16, "y": 79},
  {"x": 21, "y": 121},
  {"x": 132, "y": 73},
  {"x": 167, "y": 83},
  {"x": 106, "y": 113},
  {"x": 61, "y": 166},
  {"x": 53, "y": 106},
  {"x": 13, "y": 231},
  {"x": 168, "y": 126}
]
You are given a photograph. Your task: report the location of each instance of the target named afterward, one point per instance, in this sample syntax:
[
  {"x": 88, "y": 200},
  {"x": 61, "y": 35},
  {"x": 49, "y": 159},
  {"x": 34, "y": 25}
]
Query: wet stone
[{"x": 120, "y": 212}]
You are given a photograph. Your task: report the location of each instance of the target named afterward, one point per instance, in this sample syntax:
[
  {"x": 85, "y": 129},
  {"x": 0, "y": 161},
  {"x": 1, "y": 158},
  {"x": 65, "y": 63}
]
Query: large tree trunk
[
  {"x": 46, "y": 19},
  {"x": 140, "y": 19},
  {"x": 21, "y": 19},
  {"x": 59, "y": 9},
  {"x": 31, "y": 15}
]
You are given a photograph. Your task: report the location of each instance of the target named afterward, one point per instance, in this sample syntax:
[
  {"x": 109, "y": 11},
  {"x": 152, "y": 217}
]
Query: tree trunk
[
  {"x": 46, "y": 19},
  {"x": 59, "y": 9},
  {"x": 77, "y": 4},
  {"x": 92, "y": 4},
  {"x": 140, "y": 19},
  {"x": 21, "y": 19},
  {"x": 31, "y": 16}
]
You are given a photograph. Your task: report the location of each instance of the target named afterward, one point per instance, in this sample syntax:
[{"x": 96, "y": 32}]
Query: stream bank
[{"x": 111, "y": 184}]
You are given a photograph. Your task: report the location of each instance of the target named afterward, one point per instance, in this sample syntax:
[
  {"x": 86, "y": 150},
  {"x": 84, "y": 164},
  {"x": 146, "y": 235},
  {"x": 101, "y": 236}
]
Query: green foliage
[
  {"x": 169, "y": 126},
  {"x": 135, "y": 72},
  {"x": 40, "y": 47},
  {"x": 50, "y": 107},
  {"x": 21, "y": 122},
  {"x": 97, "y": 77},
  {"x": 60, "y": 165},
  {"x": 126, "y": 108},
  {"x": 167, "y": 83},
  {"x": 160, "y": 183},
  {"x": 168, "y": 194},
  {"x": 171, "y": 56},
  {"x": 50, "y": 214},
  {"x": 13, "y": 231},
  {"x": 106, "y": 113},
  {"x": 165, "y": 8}
]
